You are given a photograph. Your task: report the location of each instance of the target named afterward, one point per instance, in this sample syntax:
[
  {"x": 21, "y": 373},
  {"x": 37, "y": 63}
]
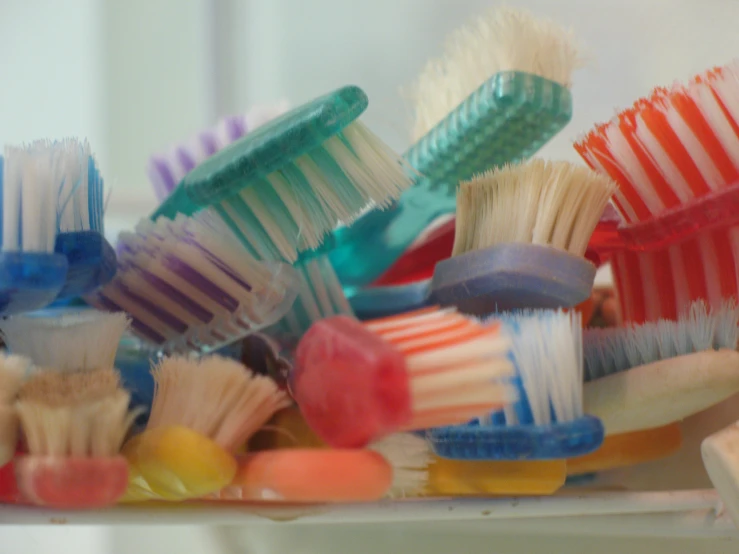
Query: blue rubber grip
[
  {"x": 518, "y": 442},
  {"x": 30, "y": 281},
  {"x": 512, "y": 277},
  {"x": 92, "y": 262}
]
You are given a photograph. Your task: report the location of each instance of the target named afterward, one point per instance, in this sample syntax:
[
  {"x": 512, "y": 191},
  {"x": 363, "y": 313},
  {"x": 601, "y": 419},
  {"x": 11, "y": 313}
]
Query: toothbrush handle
[{"x": 365, "y": 250}]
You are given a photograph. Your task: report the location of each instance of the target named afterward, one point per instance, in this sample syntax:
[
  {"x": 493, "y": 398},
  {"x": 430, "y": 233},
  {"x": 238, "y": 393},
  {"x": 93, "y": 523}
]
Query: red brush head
[{"x": 352, "y": 387}]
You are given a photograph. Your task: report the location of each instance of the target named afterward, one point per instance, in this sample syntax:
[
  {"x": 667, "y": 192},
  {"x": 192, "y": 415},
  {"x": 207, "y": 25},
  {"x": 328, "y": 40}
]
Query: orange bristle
[{"x": 674, "y": 145}]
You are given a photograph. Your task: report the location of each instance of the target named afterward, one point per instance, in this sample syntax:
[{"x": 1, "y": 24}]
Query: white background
[{"x": 135, "y": 75}]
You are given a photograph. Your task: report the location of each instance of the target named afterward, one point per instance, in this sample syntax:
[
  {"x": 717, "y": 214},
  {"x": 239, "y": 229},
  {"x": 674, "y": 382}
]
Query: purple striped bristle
[
  {"x": 198, "y": 311},
  {"x": 202, "y": 283},
  {"x": 209, "y": 143},
  {"x": 186, "y": 160}
]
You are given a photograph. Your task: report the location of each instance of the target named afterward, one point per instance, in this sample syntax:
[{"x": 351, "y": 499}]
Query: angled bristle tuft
[
  {"x": 502, "y": 40},
  {"x": 555, "y": 204},
  {"x": 614, "y": 350},
  {"x": 13, "y": 370},
  {"x": 189, "y": 284},
  {"x": 457, "y": 366},
  {"x": 83, "y": 340},
  {"x": 409, "y": 456},
  {"x": 318, "y": 191},
  {"x": 547, "y": 353},
  {"x": 678, "y": 143},
  {"x": 49, "y": 187},
  {"x": 217, "y": 397}
]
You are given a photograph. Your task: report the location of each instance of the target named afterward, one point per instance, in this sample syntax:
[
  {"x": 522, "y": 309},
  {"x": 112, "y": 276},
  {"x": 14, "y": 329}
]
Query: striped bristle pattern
[{"x": 677, "y": 144}]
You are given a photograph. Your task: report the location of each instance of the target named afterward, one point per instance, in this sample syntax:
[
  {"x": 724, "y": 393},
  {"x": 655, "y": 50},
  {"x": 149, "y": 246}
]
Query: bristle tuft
[
  {"x": 614, "y": 350},
  {"x": 49, "y": 187},
  {"x": 83, "y": 429},
  {"x": 85, "y": 340},
  {"x": 329, "y": 186},
  {"x": 457, "y": 366},
  {"x": 555, "y": 204},
  {"x": 502, "y": 40},
  {"x": 547, "y": 352},
  {"x": 217, "y": 397},
  {"x": 678, "y": 143},
  {"x": 410, "y": 456}
]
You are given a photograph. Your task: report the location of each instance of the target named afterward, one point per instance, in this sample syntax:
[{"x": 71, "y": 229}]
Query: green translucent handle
[
  {"x": 265, "y": 150},
  {"x": 507, "y": 119}
]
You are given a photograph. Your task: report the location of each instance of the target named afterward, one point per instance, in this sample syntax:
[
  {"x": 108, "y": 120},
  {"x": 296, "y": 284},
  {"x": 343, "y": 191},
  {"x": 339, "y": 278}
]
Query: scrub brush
[
  {"x": 53, "y": 246},
  {"x": 73, "y": 424},
  {"x": 285, "y": 186},
  {"x": 500, "y": 91},
  {"x": 204, "y": 410},
  {"x": 521, "y": 235},
  {"x": 402, "y": 373}
]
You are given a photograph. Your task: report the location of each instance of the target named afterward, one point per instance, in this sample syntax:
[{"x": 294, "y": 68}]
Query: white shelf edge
[{"x": 694, "y": 513}]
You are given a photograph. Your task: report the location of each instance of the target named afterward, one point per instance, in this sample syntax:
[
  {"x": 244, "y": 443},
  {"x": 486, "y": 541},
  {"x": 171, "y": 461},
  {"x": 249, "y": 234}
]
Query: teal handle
[{"x": 509, "y": 118}]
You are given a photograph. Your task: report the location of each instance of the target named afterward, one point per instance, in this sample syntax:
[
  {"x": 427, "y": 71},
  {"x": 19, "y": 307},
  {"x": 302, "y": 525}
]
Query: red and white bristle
[{"x": 678, "y": 144}]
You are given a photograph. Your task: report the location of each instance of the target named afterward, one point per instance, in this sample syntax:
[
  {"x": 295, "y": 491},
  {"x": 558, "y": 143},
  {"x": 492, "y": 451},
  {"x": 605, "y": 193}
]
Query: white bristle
[
  {"x": 547, "y": 352},
  {"x": 555, "y": 204},
  {"x": 13, "y": 369},
  {"x": 45, "y": 191},
  {"x": 320, "y": 295},
  {"x": 315, "y": 197},
  {"x": 84, "y": 340},
  {"x": 457, "y": 367},
  {"x": 502, "y": 40},
  {"x": 217, "y": 397},
  {"x": 409, "y": 456},
  {"x": 168, "y": 272},
  {"x": 614, "y": 350},
  {"x": 74, "y": 414}
]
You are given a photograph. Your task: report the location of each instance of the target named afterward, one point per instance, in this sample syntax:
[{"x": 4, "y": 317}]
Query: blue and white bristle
[
  {"x": 700, "y": 328},
  {"x": 48, "y": 187},
  {"x": 547, "y": 354}
]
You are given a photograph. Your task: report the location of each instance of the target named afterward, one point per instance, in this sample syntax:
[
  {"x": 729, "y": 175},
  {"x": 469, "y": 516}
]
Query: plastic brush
[
  {"x": 74, "y": 423},
  {"x": 285, "y": 186},
  {"x": 652, "y": 375},
  {"x": 190, "y": 285},
  {"x": 548, "y": 420},
  {"x": 407, "y": 372},
  {"x": 203, "y": 412},
  {"x": 521, "y": 235},
  {"x": 499, "y": 92},
  {"x": 675, "y": 155},
  {"x": 53, "y": 247},
  {"x": 166, "y": 169}
]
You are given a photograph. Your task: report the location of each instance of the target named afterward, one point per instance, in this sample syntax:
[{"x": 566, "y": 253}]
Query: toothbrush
[
  {"x": 204, "y": 410},
  {"x": 282, "y": 188},
  {"x": 522, "y": 232},
  {"x": 166, "y": 169},
  {"x": 675, "y": 155},
  {"x": 404, "y": 373},
  {"x": 548, "y": 421},
  {"x": 497, "y": 95},
  {"x": 53, "y": 247},
  {"x": 190, "y": 286},
  {"x": 696, "y": 367}
]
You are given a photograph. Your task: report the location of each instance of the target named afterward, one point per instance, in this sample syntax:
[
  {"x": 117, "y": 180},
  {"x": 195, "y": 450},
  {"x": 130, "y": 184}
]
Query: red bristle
[
  {"x": 693, "y": 270},
  {"x": 663, "y": 279},
  {"x": 727, "y": 274}
]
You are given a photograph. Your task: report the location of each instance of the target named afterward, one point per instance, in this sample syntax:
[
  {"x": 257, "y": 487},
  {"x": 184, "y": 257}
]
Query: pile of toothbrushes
[{"x": 310, "y": 317}]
